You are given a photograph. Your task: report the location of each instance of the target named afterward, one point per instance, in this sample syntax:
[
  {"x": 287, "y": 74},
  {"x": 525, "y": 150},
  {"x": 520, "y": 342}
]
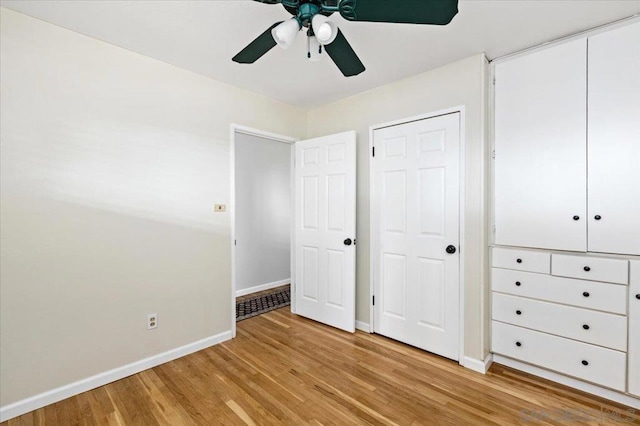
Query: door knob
[
  {"x": 451, "y": 249},
  {"x": 348, "y": 242}
]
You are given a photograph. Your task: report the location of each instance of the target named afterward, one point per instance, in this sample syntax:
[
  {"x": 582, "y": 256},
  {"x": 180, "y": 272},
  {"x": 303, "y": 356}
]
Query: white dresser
[
  {"x": 566, "y": 260},
  {"x": 548, "y": 311}
]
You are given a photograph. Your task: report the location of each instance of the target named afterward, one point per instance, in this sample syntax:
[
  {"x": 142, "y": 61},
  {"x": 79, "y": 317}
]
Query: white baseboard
[
  {"x": 46, "y": 398},
  {"x": 478, "y": 365},
  {"x": 262, "y": 287},
  {"x": 363, "y": 326},
  {"x": 569, "y": 381}
]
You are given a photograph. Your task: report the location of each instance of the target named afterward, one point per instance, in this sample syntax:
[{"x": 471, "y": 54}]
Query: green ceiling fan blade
[
  {"x": 434, "y": 12},
  {"x": 345, "y": 58},
  {"x": 257, "y": 48}
]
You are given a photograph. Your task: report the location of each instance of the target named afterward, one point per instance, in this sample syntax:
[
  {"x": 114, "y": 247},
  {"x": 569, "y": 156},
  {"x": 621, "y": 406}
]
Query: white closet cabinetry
[
  {"x": 634, "y": 329},
  {"x": 540, "y": 149},
  {"x": 614, "y": 141}
]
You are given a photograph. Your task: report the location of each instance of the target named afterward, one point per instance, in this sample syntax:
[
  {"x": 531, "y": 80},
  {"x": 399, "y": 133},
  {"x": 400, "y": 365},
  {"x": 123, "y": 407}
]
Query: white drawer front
[
  {"x": 590, "y": 268},
  {"x": 634, "y": 329},
  {"x": 522, "y": 260},
  {"x": 585, "y": 325},
  {"x": 605, "y": 367},
  {"x": 585, "y": 294}
]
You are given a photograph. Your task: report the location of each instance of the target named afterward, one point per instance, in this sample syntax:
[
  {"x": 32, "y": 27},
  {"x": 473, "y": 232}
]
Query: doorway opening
[{"x": 261, "y": 217}]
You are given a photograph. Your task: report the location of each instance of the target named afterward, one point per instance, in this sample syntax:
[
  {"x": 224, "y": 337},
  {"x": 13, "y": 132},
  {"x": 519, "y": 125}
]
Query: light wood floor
[{"x": 282, "y": 369}]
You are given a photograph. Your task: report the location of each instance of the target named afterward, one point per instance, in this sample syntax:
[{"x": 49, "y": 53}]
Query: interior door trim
[
  {"x": 234, "y": 129},
  {"x": 374, "y": 220}
]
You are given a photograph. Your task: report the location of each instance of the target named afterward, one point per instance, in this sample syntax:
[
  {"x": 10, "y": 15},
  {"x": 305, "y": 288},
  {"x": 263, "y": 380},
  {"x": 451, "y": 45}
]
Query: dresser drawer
[
  {"x": 590, "y": 268},
  {"x": 594, "y": 364},
  {"x": 521, "y": 260},
  {"x": 588, "y": 326},
  {"x": 585, "y": 294}
]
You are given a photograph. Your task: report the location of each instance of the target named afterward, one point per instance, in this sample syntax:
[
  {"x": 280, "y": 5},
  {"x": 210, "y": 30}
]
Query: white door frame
[
  {"x": 375, "y": 220},
  {"x": 236, "y": 128}
]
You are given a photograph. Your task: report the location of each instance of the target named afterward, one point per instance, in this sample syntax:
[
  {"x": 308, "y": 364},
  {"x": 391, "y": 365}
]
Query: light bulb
[{"x": 324, "y": 33}]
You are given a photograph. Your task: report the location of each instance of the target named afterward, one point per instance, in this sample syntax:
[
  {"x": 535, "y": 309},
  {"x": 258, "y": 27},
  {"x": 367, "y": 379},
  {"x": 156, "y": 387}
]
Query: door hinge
[
  {"x": 494, "y": 228},
  {"x": 374, "y": 300},
  {"x": 494, "y": 81},
  {"x": 493, "y": 154},
  {"x": 373, "y": 151},
  {"x": 235, "y": 242}
]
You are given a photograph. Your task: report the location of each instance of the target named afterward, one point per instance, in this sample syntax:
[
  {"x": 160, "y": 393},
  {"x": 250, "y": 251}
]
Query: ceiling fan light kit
[{"x": 321, "y": 31}]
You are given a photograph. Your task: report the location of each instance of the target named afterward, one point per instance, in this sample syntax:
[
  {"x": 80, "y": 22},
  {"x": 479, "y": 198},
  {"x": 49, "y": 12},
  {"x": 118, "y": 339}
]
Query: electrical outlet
[
  {"x": 152, "y": 321},
  {"x": 219, "y": 208}
]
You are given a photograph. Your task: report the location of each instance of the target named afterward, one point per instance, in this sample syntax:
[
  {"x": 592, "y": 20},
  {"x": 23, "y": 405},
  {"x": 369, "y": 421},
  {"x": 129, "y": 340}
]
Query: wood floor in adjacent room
[{"x": 283, "y": 369}]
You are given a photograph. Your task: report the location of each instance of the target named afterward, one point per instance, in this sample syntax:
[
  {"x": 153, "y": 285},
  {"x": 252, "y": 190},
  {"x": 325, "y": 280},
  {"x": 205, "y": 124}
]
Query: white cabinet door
[
  {"x": 614, "y": 141},
  {"x": 415, "y": 222},
  {"x": 634, "y": 329},
  {"x": 325, "y": 229},
  {"x": 540, "y": 144}
]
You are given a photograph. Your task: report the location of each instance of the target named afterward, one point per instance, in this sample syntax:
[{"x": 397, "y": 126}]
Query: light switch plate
[{"x": 219, "y": 208}]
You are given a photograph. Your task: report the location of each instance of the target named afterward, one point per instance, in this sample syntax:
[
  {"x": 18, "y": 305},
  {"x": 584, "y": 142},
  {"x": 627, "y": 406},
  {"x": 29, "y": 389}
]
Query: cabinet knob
[
  {"x": 586, "y": 269},
  {"x": 638, "y": 296},
  {"x": 586, "y": 327},
  {"x": 519, "y": 260},
  {"x": 518, "y": 284},
  {"x": 576, "y": 217},
  {"x": 586, "y": 294},
  {"x": 585, "y": 362},
  {"x": 518, "y": 312},
  {"x": 518, "y": 344},
  {"x": 597, "y": 217}
]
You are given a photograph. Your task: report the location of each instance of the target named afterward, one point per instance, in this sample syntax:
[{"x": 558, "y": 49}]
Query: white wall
[
  {"x": 460, "y": 83},
  {"x": 263, "y": 211},
  {"x": 111, "y": 163}
]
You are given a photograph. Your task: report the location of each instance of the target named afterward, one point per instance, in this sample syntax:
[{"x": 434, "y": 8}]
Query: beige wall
[
  {"x": 459, "y": 83},
  {"x": 111, "y": 164}
]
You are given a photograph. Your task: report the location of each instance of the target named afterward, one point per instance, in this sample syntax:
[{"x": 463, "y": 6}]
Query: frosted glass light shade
[
  {"x": 285, "y": 33},
  {"x": 325, "y": 30}
]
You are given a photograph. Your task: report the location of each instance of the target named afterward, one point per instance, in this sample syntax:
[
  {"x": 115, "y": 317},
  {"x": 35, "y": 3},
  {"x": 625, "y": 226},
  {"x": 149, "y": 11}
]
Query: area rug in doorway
[{"x": 259, "y": 305}]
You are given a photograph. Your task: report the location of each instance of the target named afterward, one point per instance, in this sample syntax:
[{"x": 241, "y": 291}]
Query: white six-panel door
[
  {"x": 325, "y": 229},
  {"x": 415, "y": 218}
]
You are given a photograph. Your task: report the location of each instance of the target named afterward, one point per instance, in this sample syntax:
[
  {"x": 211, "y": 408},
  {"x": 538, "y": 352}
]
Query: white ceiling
[{"x": 203, "y": 36}]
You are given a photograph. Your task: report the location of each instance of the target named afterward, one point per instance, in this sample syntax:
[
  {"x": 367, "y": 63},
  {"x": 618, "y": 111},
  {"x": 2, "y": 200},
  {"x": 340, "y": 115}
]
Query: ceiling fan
[{"x": 322, "y": 33}]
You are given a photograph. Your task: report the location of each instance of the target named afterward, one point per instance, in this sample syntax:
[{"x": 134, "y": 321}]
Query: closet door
[
  {"x": 614, "y": 141},
  {"x": 540, "y": 149}
]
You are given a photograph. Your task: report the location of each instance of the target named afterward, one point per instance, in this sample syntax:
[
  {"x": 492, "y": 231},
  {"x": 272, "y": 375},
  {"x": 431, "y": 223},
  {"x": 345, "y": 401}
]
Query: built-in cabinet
[
  {"x": 634, "y": 329},
  {"x": 567, "y": 180},
  {"x": 614, "y": 141},
  {"x": 567, "y": 146}
]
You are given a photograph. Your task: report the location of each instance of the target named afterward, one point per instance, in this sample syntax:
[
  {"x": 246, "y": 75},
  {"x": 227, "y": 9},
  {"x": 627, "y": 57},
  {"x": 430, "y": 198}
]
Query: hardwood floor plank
[{"x": 284, "y": 369}]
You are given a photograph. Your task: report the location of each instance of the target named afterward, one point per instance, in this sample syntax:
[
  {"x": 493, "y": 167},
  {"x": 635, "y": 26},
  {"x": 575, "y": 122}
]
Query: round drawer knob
[
  {"x": 518, "y": 284},
  {"x": 585, "y": 363},
  {"x": 586, "y": 327},
  {"x": 586, "y": 294},
  {"x": 586, "y": 269},
  {"x": 519, "y": 260},
  {"x": 576, "y": 218},
  {"x": 518, "y": 344},
  {"x": 597, "y": 217},
  {"x": 638, "y": 296},
  {"x": 519, "y": 312}
]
